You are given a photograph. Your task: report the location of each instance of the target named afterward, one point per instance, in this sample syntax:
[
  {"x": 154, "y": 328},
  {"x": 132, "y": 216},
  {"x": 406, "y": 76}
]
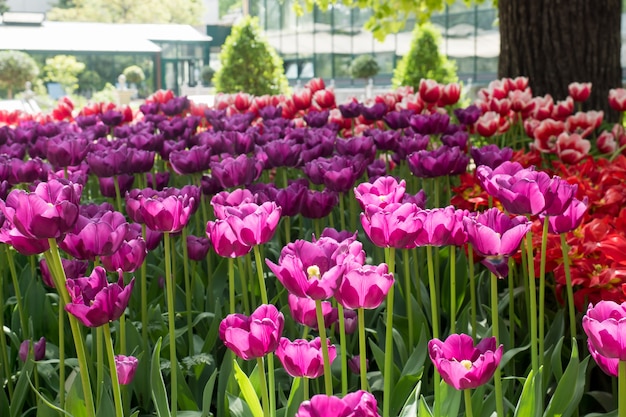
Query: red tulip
[{"x": 579, "y": 91}]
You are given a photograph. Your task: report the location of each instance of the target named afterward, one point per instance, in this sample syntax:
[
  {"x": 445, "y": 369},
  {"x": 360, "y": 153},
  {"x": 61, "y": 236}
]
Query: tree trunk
[{"x": 556, "y": 42}]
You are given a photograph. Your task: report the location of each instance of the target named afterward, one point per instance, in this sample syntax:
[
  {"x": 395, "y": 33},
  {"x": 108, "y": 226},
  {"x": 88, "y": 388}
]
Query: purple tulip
[
  {"x": 463, "y": 365},
  {"x": 608, "y": 365},
  {"x": 318, "y": 204},
  {"x": 95, "y": 301},
  {"x": 316, "y": 118},
  {"x": 254, "y": 336},
  {"x": 442, "y": 161},
  {"x": 303, "y": 311},
  {"x": 382, "y": 192},
  {"x": 66, "y": 150},
  {"x": 357, "y": 145},
  {"x": 385, "y": 140},
  {"x": 302, "y": 358},
  {"x": 365, "y": 287},
  {"x": 253, "y": 224},
  {"x": 100, "y": 236},
  {"x": 235, "y": 172},
  {"x": 310, "y": 269},
  {"x": 112, "y": 117},
  {"x": 197, "y": 247},
  {"x": 290, "y": 199},
  {"x": 224, "y": 199},
  {"x": 350, "y": 110},
  {"x": 73, "y": 269},
  {"x": 109, "y": 162},
  {"x": 562, "y": 194},
  {"x": 191, "y": 161},
  {"x": 605, "y": 326},
  {"x": 491, "y": 155},
  {"x": 166, "y": 214},
  {"x": 442, "y": 227},
  {"x": 28, "y": 171},
  {"x": 398, "y": 119},
  {"x": 396, "y": 225},
  {"x": 158, "y": 181},
  {"x": 429, "y": 124},
  {"x": 354, "y": 404},
  {"x": 571, "y": 218},
  {"x": 283, "y": 153},
  {"x": 458, "y": 138},
  {"x": 126, "y": 366},
  {"x": 48, "y": 212},
  {"x": 131, "y": 253},
  {"x": 409, "y": 144},
  {"x": 338, "y": 173},
  {"x": 140, "y": 161},
  {"x": 468, "y": 115},
  {"x": 39, "y": 349},
  {"x": 224, "y": 240},
  {"x": 496, "y": 236},
  {"x": 107, "y": 185},
  {"x": 23, "y": 244},
  {"x": 372, "y": 112},
  {"x": 354, "y": 364}
]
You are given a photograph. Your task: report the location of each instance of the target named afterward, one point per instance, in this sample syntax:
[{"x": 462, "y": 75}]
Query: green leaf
[
  {"x": 415, "y": 364},
  {"x": 74, "y": 401},
  {"x": 570, "y": 389},
  {"x": 528, "y": 404},
  {"x": 509, "y": 354},
  {"x": 185, "y": 396},
  {"x": 207, "y": 394},
  {"x": 557, "y": 367},
  {"x": 410, "y": 406},
  {"x": 424, "y": 410},
  {"x": 247, "y": 390},
  {"x": 237, "y": 407},
  {"x": 159, "y": 396},
  {"x": 106, "y": 407},
  {"x": 296, "y": 396},
  {"x": 21, "y": 389},
  {"x": 450, "y": 400},
  {"x": 4, "y": 403},
  {"x": 402, "y": 390}
]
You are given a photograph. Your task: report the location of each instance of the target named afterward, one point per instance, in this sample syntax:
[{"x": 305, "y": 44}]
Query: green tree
[
  {"x": 16, "y": 68},
  {"x": 364, "y": 66},
  {"x": 206, "y": 74},
  {"x": 129, "y": 11},
  {"x": 63, "y": 69},
  {"x": 249, "y": 63},
  {"x": 423, "y": 60},
  {"x": 553, "y": 43},
  {"x": 134, "y": 74},
  {"x": 4, "y": 7}
]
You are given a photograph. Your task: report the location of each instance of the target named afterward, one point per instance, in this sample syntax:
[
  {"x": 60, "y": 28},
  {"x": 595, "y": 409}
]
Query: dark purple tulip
[
  {"x": 357, "y": 145},
  {"x": 316, "y": 118},
  {"x": 351, "y": 320},
  {"x": 153, "y": 239},
  {"x": 418, "y": 199},
  {"x": 15, "y": 150},
  {"x": 430, "y": 124},
  {"x": 283, "y": 153},
  {"x": 496, "y": 236},
  {"x": 398, "y": 119},
  {"x": 169, "y": 146},
  {"x": 235, "y": 172},
  {"x": 338, "y": 173},
  {"x": 175, "y": 106},
  {"x": 66, "y": 149},
  {"x": 86, "y": 121},
  {"x": 162, "y": 180},
  {"x": 385, "y": 140},
  {"x": 146, "y": 141},
  {"x": 468, "y": 115},
  {"x": 107, "y": 185},
  {"x": 410, "y": 143},
  {"x": 28, "y": 171},
  {"x": 95, "y": 301},
  {"x": 73, "y": 269},
  {"x": 459, "y": 138},
  {"x": 210, "y": 185},
  {"x": 318, "y": 204},
  {"x": 491, "y": 155},
  {"x": 139, "y": 161},
  {"x": 238, "y": 122},
  {"x": 112, "y": 117},
  {"x": 122, "y": 132},
  {"x": 263, "y": 192},
  {"x": 191, "y": 161},
  {"x": 48, "y": 212},
  {"x": 442, "y": 227},
  {"x": 290, "y": 199},
  {"x": 93, "y": 210},
  {"x": 150, "y": 108},
  {"x": 109, "y": 162},
  {"x": 563, "y": 193},
  {"x": 374, "y": 112},
  {"x": 437, "y": 163},
  {"x": 350, "y": 110},
  {"x": 197, "y": 247},
  {"x": 237, "y": 143},
  {"x": 377, "y": 169},
  {"x": 7, "y": 134},
  {"x": 5, "y": 188},
  {"x": 271, "y": 112},
  {"x": 100, "y": 236},
  {"x": 39, "y": 349}
]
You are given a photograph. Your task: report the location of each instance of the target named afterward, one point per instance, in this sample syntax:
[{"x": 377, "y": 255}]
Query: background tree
[
  {"x": 129, "y": 11},
  {"x": 134, "y": 74},
  {"x": 16, "y": 68},
  {"x": 364, "y": 67},
  {"x": 423, "y": 60},
  {"x": 206, "y": 74},
  {"x": 551, "y": 42},
  {"x": 4, "y": 7},
  {"x": 63, "y": 69},
  {"x": 249, "y": 63}
]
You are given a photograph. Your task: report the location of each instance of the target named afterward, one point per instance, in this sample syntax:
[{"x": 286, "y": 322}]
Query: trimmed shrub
[
  {"x": 364, "y": 66},
  {"x": 16, "y": 68},
  {"x": 134, "y": 74}
]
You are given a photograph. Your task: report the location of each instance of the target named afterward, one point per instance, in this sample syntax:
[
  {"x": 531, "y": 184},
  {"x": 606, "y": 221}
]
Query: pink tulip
[
  {"x": 383, "y": 191},
  {"x": 303, "y": 311},
  {"x": 302, "y": 358},
  {"x": 126, "y": 366},
  {"x": 396, "y": 225},
  {"x": 254, "y": 336},
  {"x": 463, "y": 365},
  {"x": 579, "y": 91},
  {"x": 365, "y": 287},
  {"x": 354, "y": 404},
  {"x": 605, "y": 325},
  {"x": 617, "y": 99}
]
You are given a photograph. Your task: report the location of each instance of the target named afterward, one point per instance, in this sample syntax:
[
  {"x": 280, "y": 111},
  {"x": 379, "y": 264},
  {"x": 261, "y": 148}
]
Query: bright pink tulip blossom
[
  {"x": 608, "y": 365},
  {"x": 605, "y": 325},
  {"x": 302, "y": 358},
  {"x": 442, "y": 227},
  {"x": 463, "y": 365},
  {"x": 354, "y": 404},
  {"x": 254, "y": 336},
  {"x": 126, "y": 366},
  {"x": 95, "y": 301},
  {"x": 396, "y": 225},
  {"x": 253, "y": 224},
  {"x": 383, "y": 191},
  {"x": 99, "y": 236},
  {"x": 166, "y": 214},
  {"x": 365, "y": 287},
  {"x": 303, "y": 311}
]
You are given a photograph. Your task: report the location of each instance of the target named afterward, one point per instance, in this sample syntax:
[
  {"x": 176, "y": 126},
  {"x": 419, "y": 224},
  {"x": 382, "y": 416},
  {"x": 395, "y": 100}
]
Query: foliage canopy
[
  {"x": 364, "y": 66},
  {"x": 16, "y": 68},
  {"x": 63, "y": 69},
  {"x": 250, "y": 63}
]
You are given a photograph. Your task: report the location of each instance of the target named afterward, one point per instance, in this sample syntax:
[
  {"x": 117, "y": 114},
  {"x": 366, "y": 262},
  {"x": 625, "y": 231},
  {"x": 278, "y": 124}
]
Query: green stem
[
  {"x": 171, "y": 315},
  {"x": 53, "y": 258},
  {"x": 243, "y": 277},
  {"x": 435, "y": 319},
  {"x": 467, "y": 394},
  {"x": 263, "y": 383},
  {"x": 328, "y": 382},
  {"x": 4, "y": 354},
  {"x": 452, "y": 260},
  {"x": 532, "y": 287},
  {"x": 61, "y": 354},
  {"x": 259, "y": 270},
  {"x": 542, "y": 288},
  {"x": 99, "y": 365},
  {"x": 388, "y": 371},
  {"x": 231, "y": 285},
  {"x": 271, "y": 384},
  {"x": 362, "y": 341},
  {"x": 344, "y": 350},
  {"x": 287, "y": 226},
  {"x": 407, "y": 294},
  {"x": 18, "y": 294},
  {"x": 144, "y": 296},
  {"x": 249, "y": 271},
  {"x": 188, "y": 292},
  {"x": 117, "y": 395},
  {"x": 472, "y": 279},
  {"x": 305, "y": 388},
  {"x": 511, "y": 282},
  {"x": 621, "y": 406},
  {"x": 354, "y": 216},
  {"x": 569, "y": 288},
  {"x": 495, "y": 332}
]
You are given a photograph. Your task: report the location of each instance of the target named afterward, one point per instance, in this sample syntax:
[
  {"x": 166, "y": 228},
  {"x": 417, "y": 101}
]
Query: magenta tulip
[
  {"x": 396, "y": 225},
  {"x": 253, "y": 224},
  {"x": 608, "y": 365},
  {"x": 365, "y": 287},
  {"x": 383, "y": 191},
  {"x": 463, "y": 365},
  {"x": 166, "y": 214},
  {"x": 254, "y": 336},
  {"x": 95, "y": 301},
  {"x": 302, "y": 358},
  {"x": 570, "y": 219},
  {"x": 126, "y": 366},
  {"x": 442, "y": 227},
  {"x": 73, "y": 269},
  {"x": 303, "y": 311},
  {"x": 354, "y": 404},
  {"x": 605, "y": 326},
  {"x": 99, "y": 236}
]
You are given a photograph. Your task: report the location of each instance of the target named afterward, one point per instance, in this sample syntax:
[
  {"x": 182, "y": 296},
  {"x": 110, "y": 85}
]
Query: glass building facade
[{"x": 323, "y": 43}]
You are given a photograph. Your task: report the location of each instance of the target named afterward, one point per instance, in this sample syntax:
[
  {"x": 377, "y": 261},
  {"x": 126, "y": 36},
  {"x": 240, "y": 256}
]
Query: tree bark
[{"x": 556, "y": 42}]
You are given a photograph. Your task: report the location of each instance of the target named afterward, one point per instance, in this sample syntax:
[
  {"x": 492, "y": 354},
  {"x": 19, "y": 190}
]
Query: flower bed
[{"x": 162, "y": 259}]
